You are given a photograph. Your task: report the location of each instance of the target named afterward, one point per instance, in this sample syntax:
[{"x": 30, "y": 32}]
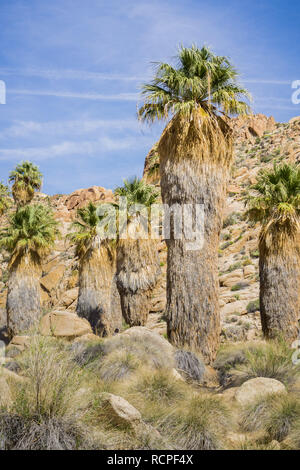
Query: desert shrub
[
  {"x": 85, "y": 354},
  {"x": 117, "y": 357},
  {"x": 253, "y": 306},
  {"x": 275, "y": 414},
  {"x": 199, "y": 424},
  {"x": 241, "y": 362},
  {"x": 118, "y": 365},
  {"x": 226, "y": 245},
  {"x": 239, "y": 286},
  {"x": 234, "y": 266},
  {"x": 188, "y": 363},
  {"x": 46, "y": 413},
  {"x": 150, "y": 348},
  {"x": 43, "y": 433},
  {"x": 232, "y": 219},
  {"x": 158, "y": 386},
  {"x": 257, "y": 445}
]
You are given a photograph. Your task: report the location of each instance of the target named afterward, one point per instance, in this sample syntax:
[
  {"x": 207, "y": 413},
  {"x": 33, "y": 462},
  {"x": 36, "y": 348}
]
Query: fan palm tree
[
  {"x": 26, "y": 179},
  {"x": 195, "y": 150},
  {"x": 5, "y": 201},
  {"x": 138, "y": 266},
  {"x": 28, "y": 238},
  {"x": 276, "y": 205},
  {"x": 98, "y": 299}
]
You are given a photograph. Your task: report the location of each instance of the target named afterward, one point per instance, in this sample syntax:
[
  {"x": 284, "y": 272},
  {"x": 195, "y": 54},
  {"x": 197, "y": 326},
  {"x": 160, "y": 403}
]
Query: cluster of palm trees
[
  {"x": 28, "y": 237},
  {"x": 116, "y": 275},
  {"x": 193, "y": 156}
]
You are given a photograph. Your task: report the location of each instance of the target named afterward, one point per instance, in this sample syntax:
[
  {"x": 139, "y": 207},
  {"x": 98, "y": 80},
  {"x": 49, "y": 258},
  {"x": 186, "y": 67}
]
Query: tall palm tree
[
  {"x": 98, "y": 299},
  {"x": 28, "y": 238},
  {"x": 276, "y": 205},
  {"x": 26, "y": 179},
  {"x": 4, "y": 198},
  {"x": 195, "y": 156},
  {"x": 138, "y": 266}
]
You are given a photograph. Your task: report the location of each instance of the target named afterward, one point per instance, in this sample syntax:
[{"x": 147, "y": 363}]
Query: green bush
[{"x": 253, "y": 306}]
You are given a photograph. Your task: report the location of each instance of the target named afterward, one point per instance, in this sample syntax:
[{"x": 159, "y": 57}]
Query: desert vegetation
[{"x": 92, "y": 359}]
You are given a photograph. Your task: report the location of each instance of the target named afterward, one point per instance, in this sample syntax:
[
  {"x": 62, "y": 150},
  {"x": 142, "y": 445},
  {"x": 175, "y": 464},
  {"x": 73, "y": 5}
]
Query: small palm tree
[
  {"x": 98, "y": 299},
  {"x": 28, "y": 238},
  {"x": 276, "y": 205},
  {"x": 5, "y": 201},
  {"x": 138, "y": 265},
  {"x": 195, "y": 149},
  {"x": 26, "y": 179}
]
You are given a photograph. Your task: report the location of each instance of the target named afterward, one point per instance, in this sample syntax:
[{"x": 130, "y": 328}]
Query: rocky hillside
[{"x": 260, "y": 142}]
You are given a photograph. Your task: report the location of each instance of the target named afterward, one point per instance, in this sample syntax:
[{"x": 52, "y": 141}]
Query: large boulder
[
  {"x": 256, "y": 388},
  {"x": 82, "y": 197},
  {"x": 145, "y": 335},
  {"x": 64, "y": 324},
  {"x": 51, "y": 280},
  {"x": 230, "y": 279},
  {"x": 120, "y": 412},
  {"x": 69, "y": 297}
]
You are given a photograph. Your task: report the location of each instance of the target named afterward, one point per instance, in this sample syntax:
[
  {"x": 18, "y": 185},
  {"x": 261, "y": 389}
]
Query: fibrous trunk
[
  {"x": 138, "y": 270},
  {"x": 195, "y": 157},
  {"x": 98, "y": 299},
  {"x": 279, "y": 271},
  {"x": 23, "y": 305}
]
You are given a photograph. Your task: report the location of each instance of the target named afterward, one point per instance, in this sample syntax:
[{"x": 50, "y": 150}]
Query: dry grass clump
[
  {"x": 42, "y": 433},
  {"x": 198, "y": 424},
  {"x": 118, "y": 365},
  {"x": 85, "y": 354},
  {"x": 275, "y": 414},
  {"x": 159, "y": 386},
  {"x": 46, "y": 413},
  {"x": 118, "y": 357},
  {"x": 190, "y": 365},
  {"x": 150, "y": 348},
  {"x": 272, "y": 359}
]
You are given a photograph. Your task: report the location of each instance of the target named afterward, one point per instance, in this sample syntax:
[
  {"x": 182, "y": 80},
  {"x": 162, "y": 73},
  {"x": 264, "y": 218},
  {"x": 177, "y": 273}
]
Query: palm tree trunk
[
  {"x": 279, "y": 271},
  {"x": 138, "y": 270},
  {"x": 23, "y": 305},
  {"x": 195, "y": 158},
  {"x": 97, "y": 301}
]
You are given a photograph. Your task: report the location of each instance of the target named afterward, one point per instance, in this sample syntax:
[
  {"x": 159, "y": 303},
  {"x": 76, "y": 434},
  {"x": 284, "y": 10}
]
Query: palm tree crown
[
  {"x": 201, "y": 81},
  {"x": 86, "y": 226},
  {"x": 25, "y": 178},
  {"x": 32, "y": 230},
  {"x": 276, "y": 202},
  {"x": 137, "y": 192}
]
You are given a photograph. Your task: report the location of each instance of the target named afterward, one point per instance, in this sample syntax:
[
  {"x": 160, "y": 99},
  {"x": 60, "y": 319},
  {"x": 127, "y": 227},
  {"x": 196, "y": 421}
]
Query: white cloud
[
  {"x": 70, "y": 94},
  {"x": 67, "y": 74},
  {"x": 261, "y": 81},
  {"x": 74, "y": 127},
  {"x": 71, "y": 148}
]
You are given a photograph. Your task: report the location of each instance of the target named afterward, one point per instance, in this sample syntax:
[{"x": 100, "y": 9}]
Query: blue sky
[{"x": 72, "y": 71}]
